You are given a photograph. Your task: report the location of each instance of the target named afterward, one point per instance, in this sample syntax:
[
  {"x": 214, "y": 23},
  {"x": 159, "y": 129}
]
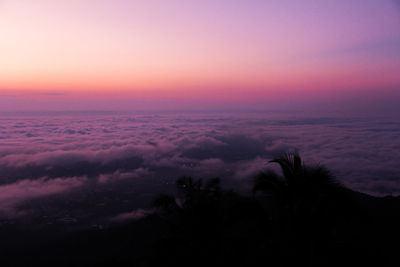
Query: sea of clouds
[{"x": 74, "y": 165}]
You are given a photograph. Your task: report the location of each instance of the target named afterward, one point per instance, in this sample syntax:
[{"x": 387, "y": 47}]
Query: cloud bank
[{"x": 43, "y": 156}]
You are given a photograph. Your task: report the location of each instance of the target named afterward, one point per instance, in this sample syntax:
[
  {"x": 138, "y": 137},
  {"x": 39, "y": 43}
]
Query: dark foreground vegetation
[{"x": 303, "y": 217}]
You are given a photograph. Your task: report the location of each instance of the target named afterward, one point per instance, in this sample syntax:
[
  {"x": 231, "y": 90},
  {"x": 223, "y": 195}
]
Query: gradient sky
[{"x": 88, "y": 54}]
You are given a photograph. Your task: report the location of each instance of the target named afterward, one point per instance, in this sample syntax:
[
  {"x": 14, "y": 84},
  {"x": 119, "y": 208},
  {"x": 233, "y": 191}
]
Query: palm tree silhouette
[
  {"x": 308, "y": 199},
  {"x": 301, "y": 188},
  {"x": 192, "y": 218},
  {"x": 208, "y": 223},
  {"x": 192, "y": 196}
]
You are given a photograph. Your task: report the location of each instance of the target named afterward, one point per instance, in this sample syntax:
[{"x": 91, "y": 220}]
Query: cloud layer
[{"x": 43, "y": 156}]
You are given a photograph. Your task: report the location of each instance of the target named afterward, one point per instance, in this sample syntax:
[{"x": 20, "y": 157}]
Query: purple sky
[{"x": 77, "y": 55}]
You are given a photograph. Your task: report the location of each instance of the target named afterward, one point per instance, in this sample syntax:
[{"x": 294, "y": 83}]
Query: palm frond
[
  {"x": 321, "y": 176},
  {"x": 291, "y": 165}
]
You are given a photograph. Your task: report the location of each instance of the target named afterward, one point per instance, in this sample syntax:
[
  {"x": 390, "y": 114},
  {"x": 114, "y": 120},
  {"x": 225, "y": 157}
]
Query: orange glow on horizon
[{"x": 196, "y": 50}]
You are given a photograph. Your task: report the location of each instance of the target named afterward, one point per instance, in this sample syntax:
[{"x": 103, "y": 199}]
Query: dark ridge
[{"x": 300, "y": 217}]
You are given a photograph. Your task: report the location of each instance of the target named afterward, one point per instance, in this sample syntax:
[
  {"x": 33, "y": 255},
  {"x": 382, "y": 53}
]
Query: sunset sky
[
  {"x": 104, "y": 104},
  {"x": 94, "y": 54}
]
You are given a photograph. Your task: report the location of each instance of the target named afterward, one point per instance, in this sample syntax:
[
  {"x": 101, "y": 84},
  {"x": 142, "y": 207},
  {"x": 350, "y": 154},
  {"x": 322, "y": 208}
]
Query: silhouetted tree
[
  {"x": 307, "y": 200},
  {"x": 209, "y": 225}
]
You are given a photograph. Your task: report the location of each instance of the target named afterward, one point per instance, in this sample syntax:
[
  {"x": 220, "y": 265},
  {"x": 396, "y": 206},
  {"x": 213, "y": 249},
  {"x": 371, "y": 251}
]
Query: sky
[{"x": 118, "y": 55}]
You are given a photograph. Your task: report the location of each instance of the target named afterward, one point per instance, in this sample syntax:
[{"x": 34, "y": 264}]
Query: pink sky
[{"x": 77, "y": 54}]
